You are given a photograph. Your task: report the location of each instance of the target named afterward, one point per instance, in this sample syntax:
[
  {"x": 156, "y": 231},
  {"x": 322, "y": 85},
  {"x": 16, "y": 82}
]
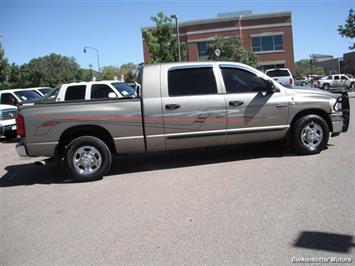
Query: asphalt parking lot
[{"x": 238, "y": 205}]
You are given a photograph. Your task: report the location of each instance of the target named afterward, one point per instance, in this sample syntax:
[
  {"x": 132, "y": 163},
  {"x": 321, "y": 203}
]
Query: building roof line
[{"x": 216, "y": 20}]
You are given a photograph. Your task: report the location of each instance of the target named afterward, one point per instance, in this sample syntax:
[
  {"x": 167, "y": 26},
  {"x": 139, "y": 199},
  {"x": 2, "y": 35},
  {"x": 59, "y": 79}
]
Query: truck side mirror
[
  {"x": 270, "y": 86},
  {"x": 112, "y": 95}
]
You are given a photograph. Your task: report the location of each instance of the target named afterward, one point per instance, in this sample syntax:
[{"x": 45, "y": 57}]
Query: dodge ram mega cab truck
[{"x": 182, "y": 105}]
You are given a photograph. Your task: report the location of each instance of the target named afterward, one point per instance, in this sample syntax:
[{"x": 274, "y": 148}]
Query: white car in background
[
  {"x": 16, "y": 96},
  {"x": 281, "y": 75},
  {"x": 91, "y": 90},
  {"x": 8, "y": 121}
]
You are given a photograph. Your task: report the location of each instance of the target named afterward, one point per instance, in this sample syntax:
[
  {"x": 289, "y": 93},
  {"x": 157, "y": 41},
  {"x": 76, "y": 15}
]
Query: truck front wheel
[
  {"x": 87, "y": 158},
  {"x": 309, "y": 135}
]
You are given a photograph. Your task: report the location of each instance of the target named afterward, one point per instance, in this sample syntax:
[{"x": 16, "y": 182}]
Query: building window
[
  {"x": 202, "y": 50},
  {"x": 267, "y": 43}
]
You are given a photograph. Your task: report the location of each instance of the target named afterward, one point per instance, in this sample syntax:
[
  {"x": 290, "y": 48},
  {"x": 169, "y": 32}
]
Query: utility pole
[{"x": 177, "y": 34}]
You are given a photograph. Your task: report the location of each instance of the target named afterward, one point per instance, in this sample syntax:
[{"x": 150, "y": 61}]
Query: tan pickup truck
[{"x": 181, "y": 106}]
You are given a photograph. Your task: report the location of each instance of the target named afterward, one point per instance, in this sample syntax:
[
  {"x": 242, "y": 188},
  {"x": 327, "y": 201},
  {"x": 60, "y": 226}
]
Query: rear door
[
  {"x": 194, "y": 112},
  {"x": 253, "y": 115}
]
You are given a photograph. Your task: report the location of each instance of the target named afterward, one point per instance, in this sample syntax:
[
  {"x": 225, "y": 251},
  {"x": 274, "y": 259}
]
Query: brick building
[{"x": 269, "y": 36}]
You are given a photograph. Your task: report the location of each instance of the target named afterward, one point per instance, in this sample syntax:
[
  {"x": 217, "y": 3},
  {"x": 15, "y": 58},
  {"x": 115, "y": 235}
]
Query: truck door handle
[
  {"x": 172, "y": 106},
  {"x": 235, "y": 103}
]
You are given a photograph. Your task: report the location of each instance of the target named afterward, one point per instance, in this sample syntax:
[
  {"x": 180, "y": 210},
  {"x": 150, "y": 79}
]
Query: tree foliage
[
  {"x": 110, "y": 72},
  {"x": 161, "y": 41},
  {"x": 49, "y": 71},
  {"x": 231, "y": 49},
  {"x": 53, "y": 70},
  {"x": 128, "y": 72},
  {"x": 303, "y": 68},
  {"x": 125, "y": 71},
  {"x": 348, "y": 30},
  {"x": 4, "y": 67}
]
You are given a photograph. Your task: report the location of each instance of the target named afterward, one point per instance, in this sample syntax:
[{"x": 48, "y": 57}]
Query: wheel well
[
  {"x": 319, "y": 112},
  {"x": 88, "y": 130}
]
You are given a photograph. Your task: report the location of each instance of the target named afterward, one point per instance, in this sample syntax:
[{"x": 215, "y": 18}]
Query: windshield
[
  {"x": 28, "y": 96},
  {"x": 124, "y": 89},
  {"x": 45, "y": 90},
  {"x": 278, "y": 73}
]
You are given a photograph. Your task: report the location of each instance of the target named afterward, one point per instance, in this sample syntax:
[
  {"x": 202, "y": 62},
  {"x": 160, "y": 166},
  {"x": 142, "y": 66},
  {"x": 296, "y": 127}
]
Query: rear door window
[
  {"x": 76, "y": 92},
  {"x": 192, "y": 81}
]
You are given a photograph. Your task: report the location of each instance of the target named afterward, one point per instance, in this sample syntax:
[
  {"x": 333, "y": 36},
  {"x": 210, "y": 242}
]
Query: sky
[{"x": 39, "y": 27}]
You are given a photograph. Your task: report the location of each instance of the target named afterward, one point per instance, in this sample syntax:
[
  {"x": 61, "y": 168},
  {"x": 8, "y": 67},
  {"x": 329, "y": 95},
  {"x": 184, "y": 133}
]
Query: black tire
[
  {"x": 352, "y": 86},
  {"x": 303, "y": 84},
  {"x": 326, "y": 87},
  {"x": 299, "y": 141},
  {"x": 10, "y": 135},
  {"x": 93, "y": 149}
]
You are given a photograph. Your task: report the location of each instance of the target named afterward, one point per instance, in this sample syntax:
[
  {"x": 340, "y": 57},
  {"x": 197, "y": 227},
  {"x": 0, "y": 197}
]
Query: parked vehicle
[
  {"x": 281, "y": 75},
  {"x": 15, "y": 96},
  {"x": 90, "y": 90},
  {"x": 314, "y": 81},
  {"x": 7, "y": 121},
  {"x": 301, "y": 81},
  {"x": 334, "y": 82},
  {"x": 182, "y": 105}
]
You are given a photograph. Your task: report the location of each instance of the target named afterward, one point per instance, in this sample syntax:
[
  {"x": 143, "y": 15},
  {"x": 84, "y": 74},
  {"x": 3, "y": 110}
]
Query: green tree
[
  {"x": 86, "y": 74},
  {"x": 4, "y": 68},
  {"x": 109, "y": 72},
  {"x": 303, "y": 68},
  {"x": 128, "y": 71},
  {"x": 13, "y": 80},
  {"x": 231, "y": 49},
  {"x": 161, "y": 41},
  {"x": 348, "y": 30},
  {"x": 49, "y": 70}
]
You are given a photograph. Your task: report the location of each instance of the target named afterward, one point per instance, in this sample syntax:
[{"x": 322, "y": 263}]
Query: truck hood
[{"x": 311, "y": 92}]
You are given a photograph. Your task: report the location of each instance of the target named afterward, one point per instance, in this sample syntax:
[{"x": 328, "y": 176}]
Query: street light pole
[
  {"x": 97, "y": 55},
  {"x": 177, "y": 34}
]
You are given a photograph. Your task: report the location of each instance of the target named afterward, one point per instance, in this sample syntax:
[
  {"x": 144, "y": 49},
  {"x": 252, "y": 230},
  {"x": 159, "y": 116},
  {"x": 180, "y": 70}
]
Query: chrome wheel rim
[
  {"x": 312, "y": 135},
  {"x": 87, "y": 160}
]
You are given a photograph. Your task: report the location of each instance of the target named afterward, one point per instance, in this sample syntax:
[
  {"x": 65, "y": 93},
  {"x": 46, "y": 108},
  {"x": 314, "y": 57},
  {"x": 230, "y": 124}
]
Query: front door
[
  {"x": 194, "y": 113},
  {"x": 253, "y": 114}
]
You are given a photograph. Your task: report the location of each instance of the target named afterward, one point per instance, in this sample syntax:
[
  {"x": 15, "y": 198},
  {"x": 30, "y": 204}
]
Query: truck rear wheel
[
  {"x": 87, "y": 158},
  {"x": 326, "y": 87},
  {"x": 309, "y": 135}
]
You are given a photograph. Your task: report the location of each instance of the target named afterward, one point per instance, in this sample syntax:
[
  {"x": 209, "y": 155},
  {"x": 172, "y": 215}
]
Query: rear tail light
[
  {"x": 291, "y": 81},
  {"x": 20, "y": 124}
]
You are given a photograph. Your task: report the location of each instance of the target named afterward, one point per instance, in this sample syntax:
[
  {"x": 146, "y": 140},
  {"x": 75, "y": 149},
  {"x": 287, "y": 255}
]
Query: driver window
[
  {"x": 100, "y": 91},
  {"x": 238, "y": 81},
  {"x": 336, "y": 77}
]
